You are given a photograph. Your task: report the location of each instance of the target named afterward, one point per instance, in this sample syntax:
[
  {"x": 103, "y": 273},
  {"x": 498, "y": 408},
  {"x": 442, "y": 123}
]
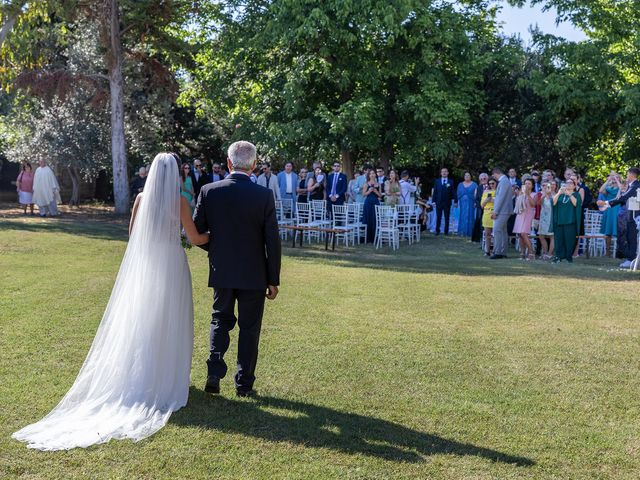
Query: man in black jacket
[
  {"x": 442, "y": 194},
  {"x": 244, "y": 263}
]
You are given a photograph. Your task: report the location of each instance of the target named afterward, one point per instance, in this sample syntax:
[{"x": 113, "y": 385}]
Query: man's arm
[
  {"x": 632, "y": 192},
  {"x": 341, "y": 188},
  {"x": 200, "y": 218},
  {"x": 272, "y": 242}
]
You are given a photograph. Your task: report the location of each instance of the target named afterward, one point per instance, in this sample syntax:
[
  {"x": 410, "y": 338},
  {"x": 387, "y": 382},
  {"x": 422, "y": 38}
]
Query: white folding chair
[
  {"x": 354, "y": 212},
  {"x": 340, "y": 222},
  {"x": 387, "y": 227}
]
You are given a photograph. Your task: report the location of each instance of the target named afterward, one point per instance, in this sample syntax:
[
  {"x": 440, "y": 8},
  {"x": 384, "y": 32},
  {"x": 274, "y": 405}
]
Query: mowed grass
[{"x": 430, "y": 362}]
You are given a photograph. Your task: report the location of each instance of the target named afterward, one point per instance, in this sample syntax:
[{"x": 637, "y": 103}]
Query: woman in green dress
[{"x": 567, "y": 213}]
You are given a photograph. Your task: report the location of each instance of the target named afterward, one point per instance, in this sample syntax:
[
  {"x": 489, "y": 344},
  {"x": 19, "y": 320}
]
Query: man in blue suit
[
  {"x": 287, "y": 183},
  {"x": 442, "y": 195},
  {"x": 336, "y": 187}
]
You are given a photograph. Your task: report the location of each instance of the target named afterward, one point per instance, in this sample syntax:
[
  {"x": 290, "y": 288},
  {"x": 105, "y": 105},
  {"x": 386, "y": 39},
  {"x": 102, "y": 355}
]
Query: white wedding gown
[{"x": 137, "y": 370}]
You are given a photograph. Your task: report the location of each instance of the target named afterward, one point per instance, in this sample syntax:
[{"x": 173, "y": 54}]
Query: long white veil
[{"x": 137, "y": 370}]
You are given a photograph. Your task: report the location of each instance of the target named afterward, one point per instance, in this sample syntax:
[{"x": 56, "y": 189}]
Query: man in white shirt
[
  {"x": 407, "y": 189},
  {"x": 269, "y": 180}
]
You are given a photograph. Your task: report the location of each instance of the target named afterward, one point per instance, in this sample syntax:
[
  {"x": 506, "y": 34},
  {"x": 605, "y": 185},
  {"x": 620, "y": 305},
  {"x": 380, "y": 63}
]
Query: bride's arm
[
  {"x": 188, "y": 225},
  {"x": 134, "y": 210}
]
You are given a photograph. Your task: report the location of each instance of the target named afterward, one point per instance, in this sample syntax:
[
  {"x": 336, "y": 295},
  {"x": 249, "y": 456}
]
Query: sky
[{"x": 517, "y": 20}]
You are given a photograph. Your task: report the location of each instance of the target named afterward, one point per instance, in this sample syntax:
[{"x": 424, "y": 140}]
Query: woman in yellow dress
[
  {"x": 487, "y": 209},
  {"x": 392, "y": 189}
]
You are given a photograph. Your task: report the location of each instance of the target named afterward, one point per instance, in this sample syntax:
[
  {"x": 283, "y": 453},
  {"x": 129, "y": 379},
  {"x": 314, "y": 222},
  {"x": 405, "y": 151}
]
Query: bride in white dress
[{"x": 137, "y": 370}]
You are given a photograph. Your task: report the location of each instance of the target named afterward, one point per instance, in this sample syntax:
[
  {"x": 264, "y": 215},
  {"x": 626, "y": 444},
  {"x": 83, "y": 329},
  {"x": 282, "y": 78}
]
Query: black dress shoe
[
  {"x": 496, "y": 257},
  {"x": 213, "y": 385},
  {"x": 246, "y": 393}
]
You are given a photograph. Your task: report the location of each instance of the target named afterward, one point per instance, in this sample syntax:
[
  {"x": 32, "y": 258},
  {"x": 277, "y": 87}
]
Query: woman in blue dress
[
  {"x": 610, "y": 191},
  {"x": 371, "y": 191},
  {"x": 466, "y": 202}
]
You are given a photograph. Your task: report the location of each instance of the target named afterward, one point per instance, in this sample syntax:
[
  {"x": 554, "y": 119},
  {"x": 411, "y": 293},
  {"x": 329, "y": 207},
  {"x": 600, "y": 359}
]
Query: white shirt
[
  {"x": 289, "y": 177},
  {"x": 406, "y": 189}
]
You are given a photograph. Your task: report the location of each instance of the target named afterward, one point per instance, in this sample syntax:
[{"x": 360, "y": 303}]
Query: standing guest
[
  {"x": 483, "y": 186},
  {"x": 381, "y": 178},
  {"x": 198, "y": 177},
  {"x": 217, "y": 173},
  {"x": 362, "y": 179},
  {"x": 627, "y": 198},
  {"x": 138, "y": 183},
  {"x": 537, "y": 186},
  {"x": 303, "y": 194},
  {"x": 525, "y": 209},
  {"x": 502, "y": 210},
  {"x": 585, "y": 196},
  {"x": 392, "y": 189},
  {"x": 186, "y": 185},
  {"x": 408, "y": 189},
  {"x": 486, "y": 203},
  {"x": 513, "y": 178},
  {"x": 312, "y": 172},
  {"x": 372, "y": 194},
  {"x": 548, "y": 176},
  {"x": 545, "y": 227},
  {"x": 337, "y": 187},
  {"x": 609, "y": 226},
  {"x": 352, "y": 188},
  {"x": 567, "y": 214},
  {"x": 466, "y": 195},
  {"x": 443, "y": 194},
  {"x": 46, "y": 191},
  {"x": 569, "y": 173},
  {"x": 621, "y": 240},
  {"x": 24, "y": 186},
  {"x": 269, "y": 180},
  {"x": 316, "y": 185},
  {"x": 287, "y": 182}
]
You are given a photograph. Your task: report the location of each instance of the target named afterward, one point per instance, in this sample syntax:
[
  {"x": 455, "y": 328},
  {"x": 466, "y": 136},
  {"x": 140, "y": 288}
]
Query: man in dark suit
[
  {"x": 336, "y": 187},
  {"x": 198, "y": 177},
  {"x": 442, "y": 195},
  {"x": 244, "y": 263}
]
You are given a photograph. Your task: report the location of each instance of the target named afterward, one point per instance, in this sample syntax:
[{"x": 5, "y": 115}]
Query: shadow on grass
[
  {"x": 98, "y": 229},
  {"x": 455, "y": 256},
  {"x": 281, "y": 420}
]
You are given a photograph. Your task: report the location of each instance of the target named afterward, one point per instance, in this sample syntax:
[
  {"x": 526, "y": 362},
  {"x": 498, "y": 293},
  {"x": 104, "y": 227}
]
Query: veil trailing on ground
[{"x": 137, "y": 370}]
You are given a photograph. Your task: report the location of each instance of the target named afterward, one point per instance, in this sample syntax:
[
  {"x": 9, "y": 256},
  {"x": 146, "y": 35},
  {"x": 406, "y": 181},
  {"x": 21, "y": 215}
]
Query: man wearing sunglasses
[{"x": 336, "y": 187}]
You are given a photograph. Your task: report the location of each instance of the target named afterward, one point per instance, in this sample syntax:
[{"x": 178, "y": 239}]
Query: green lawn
[{"x": 431, "y": 362}]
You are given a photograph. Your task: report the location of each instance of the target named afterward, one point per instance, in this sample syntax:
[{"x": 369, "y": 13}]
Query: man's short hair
[
  {"x": 497, "y": 170},
  {"x": 404, "y": 173},
  {"x": 635, "y": 171},
  {"x": 242, "y": 155}
]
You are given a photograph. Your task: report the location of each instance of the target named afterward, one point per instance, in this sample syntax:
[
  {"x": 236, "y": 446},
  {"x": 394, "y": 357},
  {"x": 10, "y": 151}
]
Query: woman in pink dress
[
  {"x": 24, "y": 185},
  {"x": 526, "y": 210}
]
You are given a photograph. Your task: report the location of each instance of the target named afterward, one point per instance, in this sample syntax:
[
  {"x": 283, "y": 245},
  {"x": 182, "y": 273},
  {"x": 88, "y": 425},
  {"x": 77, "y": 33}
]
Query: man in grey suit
[{"x": 502, "y": 210}]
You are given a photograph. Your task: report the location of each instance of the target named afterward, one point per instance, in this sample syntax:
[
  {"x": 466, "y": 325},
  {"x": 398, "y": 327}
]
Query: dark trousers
[
  {"x": 632, "y": 239},
  {"x": 439, "y": 211},
  {"x": 565, "y": 241},
  {"x": 250, "y": 309}
]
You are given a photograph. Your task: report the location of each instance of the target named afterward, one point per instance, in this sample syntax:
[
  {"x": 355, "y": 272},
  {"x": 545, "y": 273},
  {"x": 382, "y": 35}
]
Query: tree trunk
[
  {"x": 386, "y": 155},
  {"x": 75, "y": 186},
  {"x": 10, "y": 21},
  {"x": 118, "y": 145},
  {"x": 347, "y": 163}
]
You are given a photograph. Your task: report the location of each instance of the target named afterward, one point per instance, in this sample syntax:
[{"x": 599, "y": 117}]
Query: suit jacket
[
  {"x": 341, "y": 186},
  {"x": 199, "y": 183},
  {"x": 272, "y": 184},
  {"x": 282, "y": 183},
  {"x": 503, "y": 203},
  {"x": 632, "y": 192},
  {"x": 244, "y": 248},
  {"x": 444, "y": 194}
]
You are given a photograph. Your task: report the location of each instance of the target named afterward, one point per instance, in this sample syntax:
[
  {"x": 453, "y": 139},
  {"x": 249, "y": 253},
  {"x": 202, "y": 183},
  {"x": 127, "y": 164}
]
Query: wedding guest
[
  {"x": 217, "y": 173},
  {"x": 336, "y": 185},
  {"x": 372, "y": 194},
  {"x": 545, "y": 227},
  {"x": 382, "y": 177},
  {"x": 269, "y": 180},
  {"x": 525, "y": 209},
  {"x": 443, "y": 194},
  {"x": 311, "y": 173},
  {"x": 392, "y": 189},
  {"x": 362, "y": 179},
  {"x": 502, "y": 209},
  {"x": 303, "y": 194},
  {"x": 46, "y": 190},
  {"x": 513, "y": 178},
  {"x": 609, "y": 226},
  {"x": 486, "y": 203},
  {"x": 24, "y": 186},
  {"x": 287, "y": 181},
  {"x": 567, "y": 215},
  {"x": 408, "y": 189},
  {"x": 627, "y": 198},
  {"x": 316, "y": 185},
  {"x": 585, "y": 197},
  {"x": 466, "y": 195},
  {"x": 138, "y": 183},
  {"x": 483, "y": 186},
  {"x": 198, "y": 177},
  {"x": 537, "y": 186},
  {"x": 352, "y": 189},
  {"x": 186, "y": 185}
]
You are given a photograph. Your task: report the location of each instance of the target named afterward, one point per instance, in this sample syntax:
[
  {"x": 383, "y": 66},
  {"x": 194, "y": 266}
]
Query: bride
[{"x": 137, "y": 370}]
